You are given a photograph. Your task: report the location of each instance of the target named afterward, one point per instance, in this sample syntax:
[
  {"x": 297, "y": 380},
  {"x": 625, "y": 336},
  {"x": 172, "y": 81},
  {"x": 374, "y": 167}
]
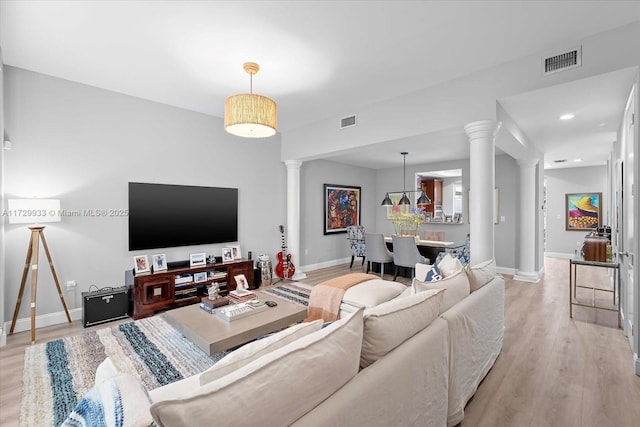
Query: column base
[
  {"x": 3, "y": 337},
  {"x": 299, "y": 275},
  {"x": 524, "y": 276}
]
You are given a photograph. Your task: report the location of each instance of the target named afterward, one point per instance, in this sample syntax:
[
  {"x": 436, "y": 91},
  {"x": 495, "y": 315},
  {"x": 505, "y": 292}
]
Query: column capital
[
  {"x": 292, "y": 164},
  {"x": 482, "y": 129},
  {"x": 527, "y": 163}
]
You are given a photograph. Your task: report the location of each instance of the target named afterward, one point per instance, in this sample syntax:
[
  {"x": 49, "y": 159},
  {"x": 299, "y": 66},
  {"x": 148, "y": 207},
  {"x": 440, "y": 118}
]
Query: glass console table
[{"x": 614, "y": 265}]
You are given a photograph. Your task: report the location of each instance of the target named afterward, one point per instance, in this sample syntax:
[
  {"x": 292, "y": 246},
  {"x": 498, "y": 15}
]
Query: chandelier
[{"x": 422, "y": 200}]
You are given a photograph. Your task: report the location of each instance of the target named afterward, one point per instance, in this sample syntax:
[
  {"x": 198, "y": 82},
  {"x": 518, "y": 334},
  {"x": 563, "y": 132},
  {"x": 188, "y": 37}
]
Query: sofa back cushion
[
  {"x": 277, "y": 388},
  {"x": 481, "y": 274},
  {"x": 252, "y": 351},
  {"x": 392, "y": 323},
  {"x": 372, "y": 293},
  {"x": 456, "y": 288}
]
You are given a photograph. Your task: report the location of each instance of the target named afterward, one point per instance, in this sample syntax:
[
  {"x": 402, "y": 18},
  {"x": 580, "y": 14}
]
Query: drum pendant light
[{"x": 249, "y": 115}]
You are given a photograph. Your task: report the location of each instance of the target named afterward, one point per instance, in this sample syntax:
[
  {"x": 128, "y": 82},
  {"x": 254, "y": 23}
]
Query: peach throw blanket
[{"x": 326, "y": 297}]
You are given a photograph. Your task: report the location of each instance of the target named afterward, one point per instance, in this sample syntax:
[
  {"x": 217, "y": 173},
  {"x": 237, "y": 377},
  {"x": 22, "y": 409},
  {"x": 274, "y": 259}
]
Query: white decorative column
[
  {"x": 293, "y": 215},
  {"x": 527, "y": 264},
  {"x": 482, "y": 171}
]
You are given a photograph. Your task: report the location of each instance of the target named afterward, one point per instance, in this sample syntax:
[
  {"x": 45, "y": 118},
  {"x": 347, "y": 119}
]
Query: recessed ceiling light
[
  {"x": 577, "y": 160},
  {"x": 567, "y": 116}
]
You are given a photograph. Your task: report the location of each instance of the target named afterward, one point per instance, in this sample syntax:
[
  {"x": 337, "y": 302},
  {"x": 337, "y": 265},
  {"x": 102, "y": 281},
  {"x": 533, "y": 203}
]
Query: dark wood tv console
[{"x": 163, "y": 290}]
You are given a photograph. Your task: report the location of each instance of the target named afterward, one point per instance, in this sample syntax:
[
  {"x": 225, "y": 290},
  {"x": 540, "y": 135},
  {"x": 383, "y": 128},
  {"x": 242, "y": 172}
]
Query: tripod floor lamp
[{"x": 23, "y": 211}]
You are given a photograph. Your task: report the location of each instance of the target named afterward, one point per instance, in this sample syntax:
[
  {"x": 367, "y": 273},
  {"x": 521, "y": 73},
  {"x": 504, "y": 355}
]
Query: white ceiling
[{"x": 318, "y": 59}]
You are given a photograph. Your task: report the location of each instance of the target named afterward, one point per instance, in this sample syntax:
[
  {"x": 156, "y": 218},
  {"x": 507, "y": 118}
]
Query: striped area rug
[
  {"x": 296, "y": 292},
  {"x": 57, "y": 374}
]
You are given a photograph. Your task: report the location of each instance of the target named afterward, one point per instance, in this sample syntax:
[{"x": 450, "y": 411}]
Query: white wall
[
  {"x": 83, "y": 145},
  {"x": 2, "y": 206},
  {"x": 560, "y": 182},
  {"x": 507, "y": 243}
]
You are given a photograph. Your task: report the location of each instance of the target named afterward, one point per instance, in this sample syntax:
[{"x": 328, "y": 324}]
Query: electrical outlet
[
  {"x": 71, "y": 284},
  {"x": 306, "y": 251}
]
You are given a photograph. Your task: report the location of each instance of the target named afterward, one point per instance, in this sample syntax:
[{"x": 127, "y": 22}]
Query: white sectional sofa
[{"x": 396, "y": 357}]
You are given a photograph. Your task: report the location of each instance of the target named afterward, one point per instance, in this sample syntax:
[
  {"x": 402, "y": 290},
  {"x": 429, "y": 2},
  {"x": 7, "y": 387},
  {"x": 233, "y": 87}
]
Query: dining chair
[
  {"x": 376, "y": 251},
  {"x": 406, "y": 254},
  {"x": 355, "y": 235}
]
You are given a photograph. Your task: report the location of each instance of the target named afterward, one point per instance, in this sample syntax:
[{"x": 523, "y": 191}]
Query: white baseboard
[
  {"x": 558, "y": 255},
  {"x": 326, "y": 264},
  {"x": 43, "y": 320},
  {"x": 505, "y": 270}
]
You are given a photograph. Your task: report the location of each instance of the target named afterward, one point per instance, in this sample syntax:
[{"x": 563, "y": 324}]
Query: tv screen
[{"x": 163, "y": 216}]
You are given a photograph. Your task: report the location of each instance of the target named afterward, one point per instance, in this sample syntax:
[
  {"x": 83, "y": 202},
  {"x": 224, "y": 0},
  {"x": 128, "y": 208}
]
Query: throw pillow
[
  {"x": 481, "y": 274},
  {"x": 262, "y": 391},
  {"x": 118, "y": 401},
  {"x": 456, "y": 289},
  {"x": 372, "y": 292},
  {"x": 256, "y": 349},
  {"x": 433, "y": 274},
  {"x": 392, "y": 323},
  {"x": 105, "y": 371},
  {"x": 449, "y": 265}
]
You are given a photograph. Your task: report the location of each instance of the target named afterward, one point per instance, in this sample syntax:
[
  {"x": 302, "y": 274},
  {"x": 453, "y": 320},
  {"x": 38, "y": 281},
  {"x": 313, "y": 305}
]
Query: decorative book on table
[{"x": 241, "y": 295}]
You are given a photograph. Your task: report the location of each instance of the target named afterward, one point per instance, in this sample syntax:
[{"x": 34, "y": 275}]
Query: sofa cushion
[
  {"x": 268, "y": 385},
  {"x": 118, "y": 400},
  {"x": 456, "y": 288},
  {"x": 481, "y": 274},
  {"x": 449, "y": 265},
  {"x": 372, "y": 293},
  {"x": 256, "y": 349},
  {"x": 392, "y": 323}
]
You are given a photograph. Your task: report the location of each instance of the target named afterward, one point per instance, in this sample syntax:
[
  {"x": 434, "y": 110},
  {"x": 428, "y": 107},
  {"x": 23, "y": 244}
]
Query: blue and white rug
[
  {"x": 296, "y": 292},
  {"x": 57, "y": 374}
]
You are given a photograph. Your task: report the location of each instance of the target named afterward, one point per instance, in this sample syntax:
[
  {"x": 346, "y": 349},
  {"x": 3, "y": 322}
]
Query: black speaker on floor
[{"x": 105, "y": 305}]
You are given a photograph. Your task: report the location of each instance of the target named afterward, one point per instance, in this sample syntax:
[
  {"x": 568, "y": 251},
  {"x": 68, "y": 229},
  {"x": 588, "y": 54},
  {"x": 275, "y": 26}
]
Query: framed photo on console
[
  {"x": 227, "y": 254},
  {"x": 200, "y": 277},
  {"x": 159, "y": 262},
  {"x": 196, "y": 260},
  {"x": 141, "y": 264},
  {"x": 236, "y": 252}
]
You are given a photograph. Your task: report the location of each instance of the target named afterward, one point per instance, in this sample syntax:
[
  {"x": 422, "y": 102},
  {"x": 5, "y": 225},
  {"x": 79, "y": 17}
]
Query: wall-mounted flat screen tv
[{"x": 163, "y": 216}]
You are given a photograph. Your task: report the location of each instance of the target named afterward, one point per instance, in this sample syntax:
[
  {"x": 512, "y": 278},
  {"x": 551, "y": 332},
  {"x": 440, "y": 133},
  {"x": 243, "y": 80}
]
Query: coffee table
[{"x": 214, "y": 335}]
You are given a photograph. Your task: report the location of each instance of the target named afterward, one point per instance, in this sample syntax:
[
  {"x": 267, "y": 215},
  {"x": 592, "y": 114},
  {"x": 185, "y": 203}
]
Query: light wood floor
[{"x": 553, "y": 371}]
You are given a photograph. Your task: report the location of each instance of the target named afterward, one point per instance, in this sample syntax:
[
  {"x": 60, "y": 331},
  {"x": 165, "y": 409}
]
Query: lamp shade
[
  {"x": 250, "y": 116},
  {"x": 33, "y": 211}
]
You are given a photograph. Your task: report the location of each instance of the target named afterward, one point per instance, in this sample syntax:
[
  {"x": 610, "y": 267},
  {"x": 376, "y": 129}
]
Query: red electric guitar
[{"x": 285, "y": 268}]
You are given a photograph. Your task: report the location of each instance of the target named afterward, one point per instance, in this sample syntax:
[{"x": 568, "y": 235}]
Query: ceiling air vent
[
  {"x": 562, "y": 61},
  {"x": 347, "y": 122}
]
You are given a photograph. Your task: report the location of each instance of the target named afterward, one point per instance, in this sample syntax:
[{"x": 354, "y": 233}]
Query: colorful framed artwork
[
  {"x": 341, "y": 207},
  {"x": 583, "y": 211},
  {"x": 397, "y": 209}
]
